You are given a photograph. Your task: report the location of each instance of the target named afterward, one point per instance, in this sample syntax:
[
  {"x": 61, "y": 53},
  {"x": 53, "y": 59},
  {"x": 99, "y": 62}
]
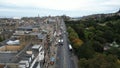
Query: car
[
  {"x": 61, "y": 40},
  {"x": 58, "y": 41}
]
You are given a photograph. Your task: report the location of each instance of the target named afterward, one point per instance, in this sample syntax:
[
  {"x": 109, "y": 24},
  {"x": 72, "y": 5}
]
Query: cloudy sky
[{"x": 73, "y": 8}]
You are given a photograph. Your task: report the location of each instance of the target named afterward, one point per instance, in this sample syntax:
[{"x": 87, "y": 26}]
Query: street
[{"x": 64, "y": 56}]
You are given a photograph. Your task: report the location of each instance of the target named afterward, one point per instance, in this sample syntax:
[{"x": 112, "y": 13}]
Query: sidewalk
[
  {"x": 75, "y": 60},
  {"x": 52, "y": 53}
]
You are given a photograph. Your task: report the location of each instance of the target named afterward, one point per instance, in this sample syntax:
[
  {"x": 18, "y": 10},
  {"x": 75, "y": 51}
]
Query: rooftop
[
  {"x": 7, "y": 57},
  {"x": 41, "y": 36},
  {"x": 23, "y": 27},
  {"x": 24, "y": 54},
  {"x": 28, "y": 27},
  {"x": 36, "y": 47},
  {"x": 15, "y": 57}
]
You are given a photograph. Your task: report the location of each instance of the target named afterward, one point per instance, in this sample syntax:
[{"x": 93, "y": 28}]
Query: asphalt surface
[{"x": 64, "y": 56}]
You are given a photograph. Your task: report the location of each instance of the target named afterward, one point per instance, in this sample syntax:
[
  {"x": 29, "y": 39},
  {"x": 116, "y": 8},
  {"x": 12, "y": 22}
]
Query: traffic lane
[
  {"x": 72, "y": 63},
  {"x": 60, "y": 55},
  {"x": 59, "y": 62},
  {"x": 64, "y": 55},
  {"x": 69, "y": 58}
]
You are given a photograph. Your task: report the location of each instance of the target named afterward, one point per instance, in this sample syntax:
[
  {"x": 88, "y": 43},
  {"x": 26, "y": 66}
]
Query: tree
[
  {"x": 79, "y": 28},
  {"x": 97, "y": 47},
  {"x": 88, "y": 35},
  {"x": 86, "y": 51},
  {"x": 114, "y": 51},
  {"x": 77, "y": 43},
  {"x": 99, "y": 61},
  {"x": 74, "y": 38},
  {"x": 108, "y": 35},
  {"x": 83, "y": 63}
]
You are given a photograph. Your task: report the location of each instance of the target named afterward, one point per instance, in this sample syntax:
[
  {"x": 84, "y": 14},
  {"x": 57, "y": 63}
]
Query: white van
[{"x": 70, "y": 47}]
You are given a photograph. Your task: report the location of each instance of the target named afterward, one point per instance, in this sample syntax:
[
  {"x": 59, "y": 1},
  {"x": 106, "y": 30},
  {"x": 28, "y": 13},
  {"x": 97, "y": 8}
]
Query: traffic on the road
[{"x": 64, "y": 52}]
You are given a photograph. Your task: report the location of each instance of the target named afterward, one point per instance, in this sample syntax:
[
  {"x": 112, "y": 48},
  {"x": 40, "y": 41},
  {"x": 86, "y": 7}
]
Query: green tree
[
  {"x": 109, "y": 35},
  {"x": 97, "y": 46},
  {"x": 74, "y": 38},
  {"x": 86, "y": 51},
  {"x": 99, "y": 61}
]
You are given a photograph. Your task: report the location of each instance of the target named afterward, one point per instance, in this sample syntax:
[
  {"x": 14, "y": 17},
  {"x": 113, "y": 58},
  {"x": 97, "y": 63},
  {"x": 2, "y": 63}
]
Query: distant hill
[{"x": 100, "y": 16}]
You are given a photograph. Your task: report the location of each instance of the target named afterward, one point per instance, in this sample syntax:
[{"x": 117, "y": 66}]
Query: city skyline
[{"x": 73, "y": 8}]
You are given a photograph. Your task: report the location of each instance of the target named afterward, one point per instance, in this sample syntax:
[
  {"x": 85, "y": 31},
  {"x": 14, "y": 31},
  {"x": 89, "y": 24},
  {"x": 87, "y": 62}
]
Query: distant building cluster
[{"x": 26, "y": 41}]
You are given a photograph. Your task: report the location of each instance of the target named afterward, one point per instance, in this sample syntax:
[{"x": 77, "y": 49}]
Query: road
[{"x": 64, "y": 56}]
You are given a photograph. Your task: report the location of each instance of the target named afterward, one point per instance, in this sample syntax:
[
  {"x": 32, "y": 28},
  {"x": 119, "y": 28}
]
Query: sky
[{"x": 73, "y": 8}]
